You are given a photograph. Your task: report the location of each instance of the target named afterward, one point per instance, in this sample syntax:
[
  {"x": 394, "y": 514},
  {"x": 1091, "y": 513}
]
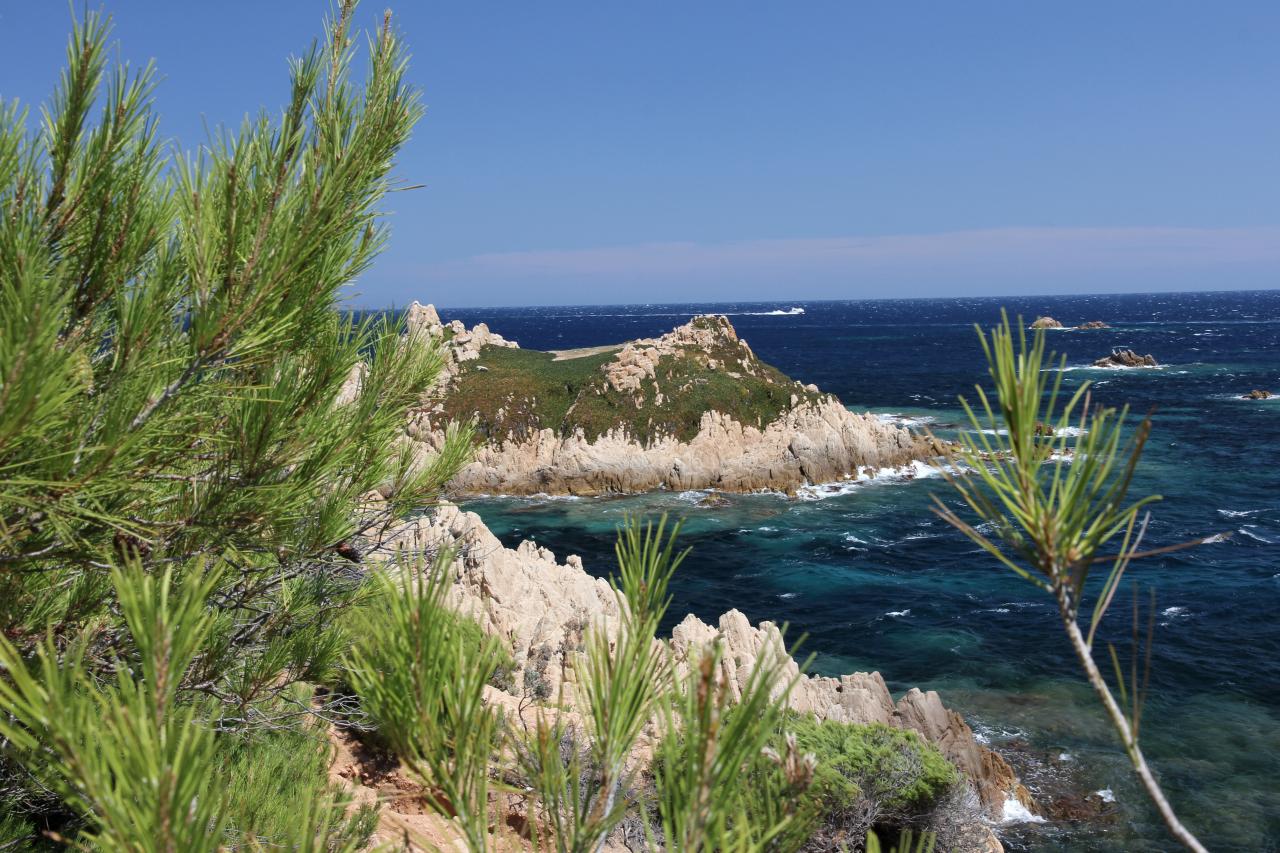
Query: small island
[
  {"x": 1126, "y": 358},
  {"x": 694, "y": 408}
]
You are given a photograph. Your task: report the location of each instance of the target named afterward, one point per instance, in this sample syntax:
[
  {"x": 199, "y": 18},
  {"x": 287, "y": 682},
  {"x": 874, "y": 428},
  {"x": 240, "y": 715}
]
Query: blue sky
[{"x": 642, "y": 152}]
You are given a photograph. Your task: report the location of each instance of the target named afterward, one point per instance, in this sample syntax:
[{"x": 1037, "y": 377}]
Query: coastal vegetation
[
  {"x": 1056, "y": 501},
  {"x": 516, "y": 392},
  {"x": 199, "y": 461},
  {"x": 202, "y": 463}
]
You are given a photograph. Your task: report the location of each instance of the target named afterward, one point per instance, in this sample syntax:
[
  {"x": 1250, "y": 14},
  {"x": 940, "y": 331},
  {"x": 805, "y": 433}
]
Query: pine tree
[{"x": 180, "y": 395}]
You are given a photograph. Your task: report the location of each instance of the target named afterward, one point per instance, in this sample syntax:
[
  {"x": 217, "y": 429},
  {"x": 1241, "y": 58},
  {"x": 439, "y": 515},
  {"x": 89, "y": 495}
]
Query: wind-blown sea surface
[{"x": 874, "y": 581}]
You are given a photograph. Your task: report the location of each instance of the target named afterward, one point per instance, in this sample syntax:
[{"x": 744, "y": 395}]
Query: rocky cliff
[
  {"x": 692, "y": 409},
  {"x": 541, "y": 607}
]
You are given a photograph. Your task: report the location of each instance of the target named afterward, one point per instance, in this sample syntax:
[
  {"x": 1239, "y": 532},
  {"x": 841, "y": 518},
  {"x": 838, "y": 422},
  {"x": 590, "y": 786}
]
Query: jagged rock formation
[
  {"x": 461, "y": 344},
  {"x": 1126, "y": 358},
  {"x": 1092, "y": 324},
  {"x": 1257, "y": 394},
  {"x": 692, "y": 409},
  {"x": 1046, "y": 323},
  {"x": 541, "y": 608}
]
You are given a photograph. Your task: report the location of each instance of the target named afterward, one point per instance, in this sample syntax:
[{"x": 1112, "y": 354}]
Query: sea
[{"x": 866, "y": 577}]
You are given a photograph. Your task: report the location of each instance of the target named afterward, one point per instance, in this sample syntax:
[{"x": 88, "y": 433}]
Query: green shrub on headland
[
  {"x": 895, "y": 768},
  {"x": 517, "y": 392}
]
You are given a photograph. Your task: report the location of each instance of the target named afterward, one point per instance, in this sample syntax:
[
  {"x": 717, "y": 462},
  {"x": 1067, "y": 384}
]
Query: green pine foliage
[
  {"x": 196, "y": 446},
  {"x": 1050, "y": 478},
  {"x": 197, "y": 452},
  {"x": 421, "y": 675}
]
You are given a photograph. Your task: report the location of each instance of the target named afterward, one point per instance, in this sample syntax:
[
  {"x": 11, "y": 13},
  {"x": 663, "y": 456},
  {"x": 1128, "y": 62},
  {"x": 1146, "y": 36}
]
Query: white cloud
[{"x": 1019, "y": 259}]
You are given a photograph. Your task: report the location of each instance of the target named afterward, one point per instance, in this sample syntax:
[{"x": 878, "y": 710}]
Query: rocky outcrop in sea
[
  {"x": 1126, "y": 358},
  {"x": 811, "y": 438}
]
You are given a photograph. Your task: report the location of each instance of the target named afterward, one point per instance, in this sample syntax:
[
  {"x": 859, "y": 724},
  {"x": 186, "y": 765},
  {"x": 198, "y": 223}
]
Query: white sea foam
[
  {"x": 1254, "y": 536},
  {"x": 1173, "y": 611},
  {"x": 895, "y": 419},
  {"x": 849, "y": 537},
  {"x": 897, "y": 613},
  {"x": 916, "y": 470},
  {"x": 1073, "y": 367},
  {"x": 794, "y": 311},
  {"x": 1217, "y": 537},
  {"x": 1016, "y": 812},
  {"x": 1238, "y": 513},
  {"x": 1106, "y": 795},
  {"x": 1066, "y": 756},
  {"x": 787, "y": 595}
]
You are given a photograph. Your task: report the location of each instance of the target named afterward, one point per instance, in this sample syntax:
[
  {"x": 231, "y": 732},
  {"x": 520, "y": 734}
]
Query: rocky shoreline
[
  {"x": 812, "y": 439},
  {"x": 541, "y": 607}
]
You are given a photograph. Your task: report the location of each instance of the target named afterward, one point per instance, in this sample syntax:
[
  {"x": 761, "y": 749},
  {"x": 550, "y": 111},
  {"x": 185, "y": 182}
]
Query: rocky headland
[
  {"x": 541, "y": 608},
  {"x": 691, "y": 409},
  {"x": 1257, "y": 394}
]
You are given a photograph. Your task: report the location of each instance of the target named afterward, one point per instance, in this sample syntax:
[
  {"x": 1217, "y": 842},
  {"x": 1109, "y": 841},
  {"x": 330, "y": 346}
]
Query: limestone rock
[
  {"x": 1257, "y": 394},
  {"x": 1126, "y": 358},
  {"x": 861, "y": 697},
  {"x": 422, "y": 322},
  {"x": 1092, "y": 324},
  {"x": 537, "y": 605},
  {"x": 541, "y": 608},
  {"x": 815, "y": 442},
  {"x": 1046, "y": 323}
]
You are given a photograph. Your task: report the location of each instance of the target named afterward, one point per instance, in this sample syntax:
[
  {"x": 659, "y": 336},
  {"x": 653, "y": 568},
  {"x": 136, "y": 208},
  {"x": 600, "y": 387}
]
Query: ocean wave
[
  {"x": 1060, "y": 432},
  {"x": 1238, "y": 513},
  {"x": 1245, "y": 531},
  {"x": 790, "y": 312},
  {"x": 916, "y": 470},
  {"x": 984, "y": 732},
  {"x": 1106, "y": 795},
  {"x": 897, "y": 613},
  {"x": 1016, "y": 812},
  {"x": 1108, "y": 369},
  {"x": 894, "y": 419},
  {"x": 788, "y": 595}
]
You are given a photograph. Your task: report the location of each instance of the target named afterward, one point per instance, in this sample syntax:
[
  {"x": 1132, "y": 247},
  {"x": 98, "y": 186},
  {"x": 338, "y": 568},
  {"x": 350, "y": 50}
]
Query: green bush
[
  {"x": 265, "y": 777},
  {"x": 895, "y": 767}
]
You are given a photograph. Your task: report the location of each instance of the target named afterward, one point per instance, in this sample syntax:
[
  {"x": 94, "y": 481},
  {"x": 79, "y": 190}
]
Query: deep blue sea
[{"x": 874, "y": 581}]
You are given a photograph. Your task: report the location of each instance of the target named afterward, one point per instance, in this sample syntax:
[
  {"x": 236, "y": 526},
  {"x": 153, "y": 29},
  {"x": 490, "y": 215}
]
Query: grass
[{"x": 516, "y": 392}]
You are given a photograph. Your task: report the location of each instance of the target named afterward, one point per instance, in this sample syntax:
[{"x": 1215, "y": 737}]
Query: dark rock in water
[
  {"x": 1126, "y": 358},
  {"x": 1046, "y": 323},
  {"x": 1092, "y": 324},
  {"x": 713, "y": 500},
  {"x": 1257, "y": 394}
]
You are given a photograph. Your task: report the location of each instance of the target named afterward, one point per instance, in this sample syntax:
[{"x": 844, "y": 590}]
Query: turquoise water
[{"x": 873, "y": 581}]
